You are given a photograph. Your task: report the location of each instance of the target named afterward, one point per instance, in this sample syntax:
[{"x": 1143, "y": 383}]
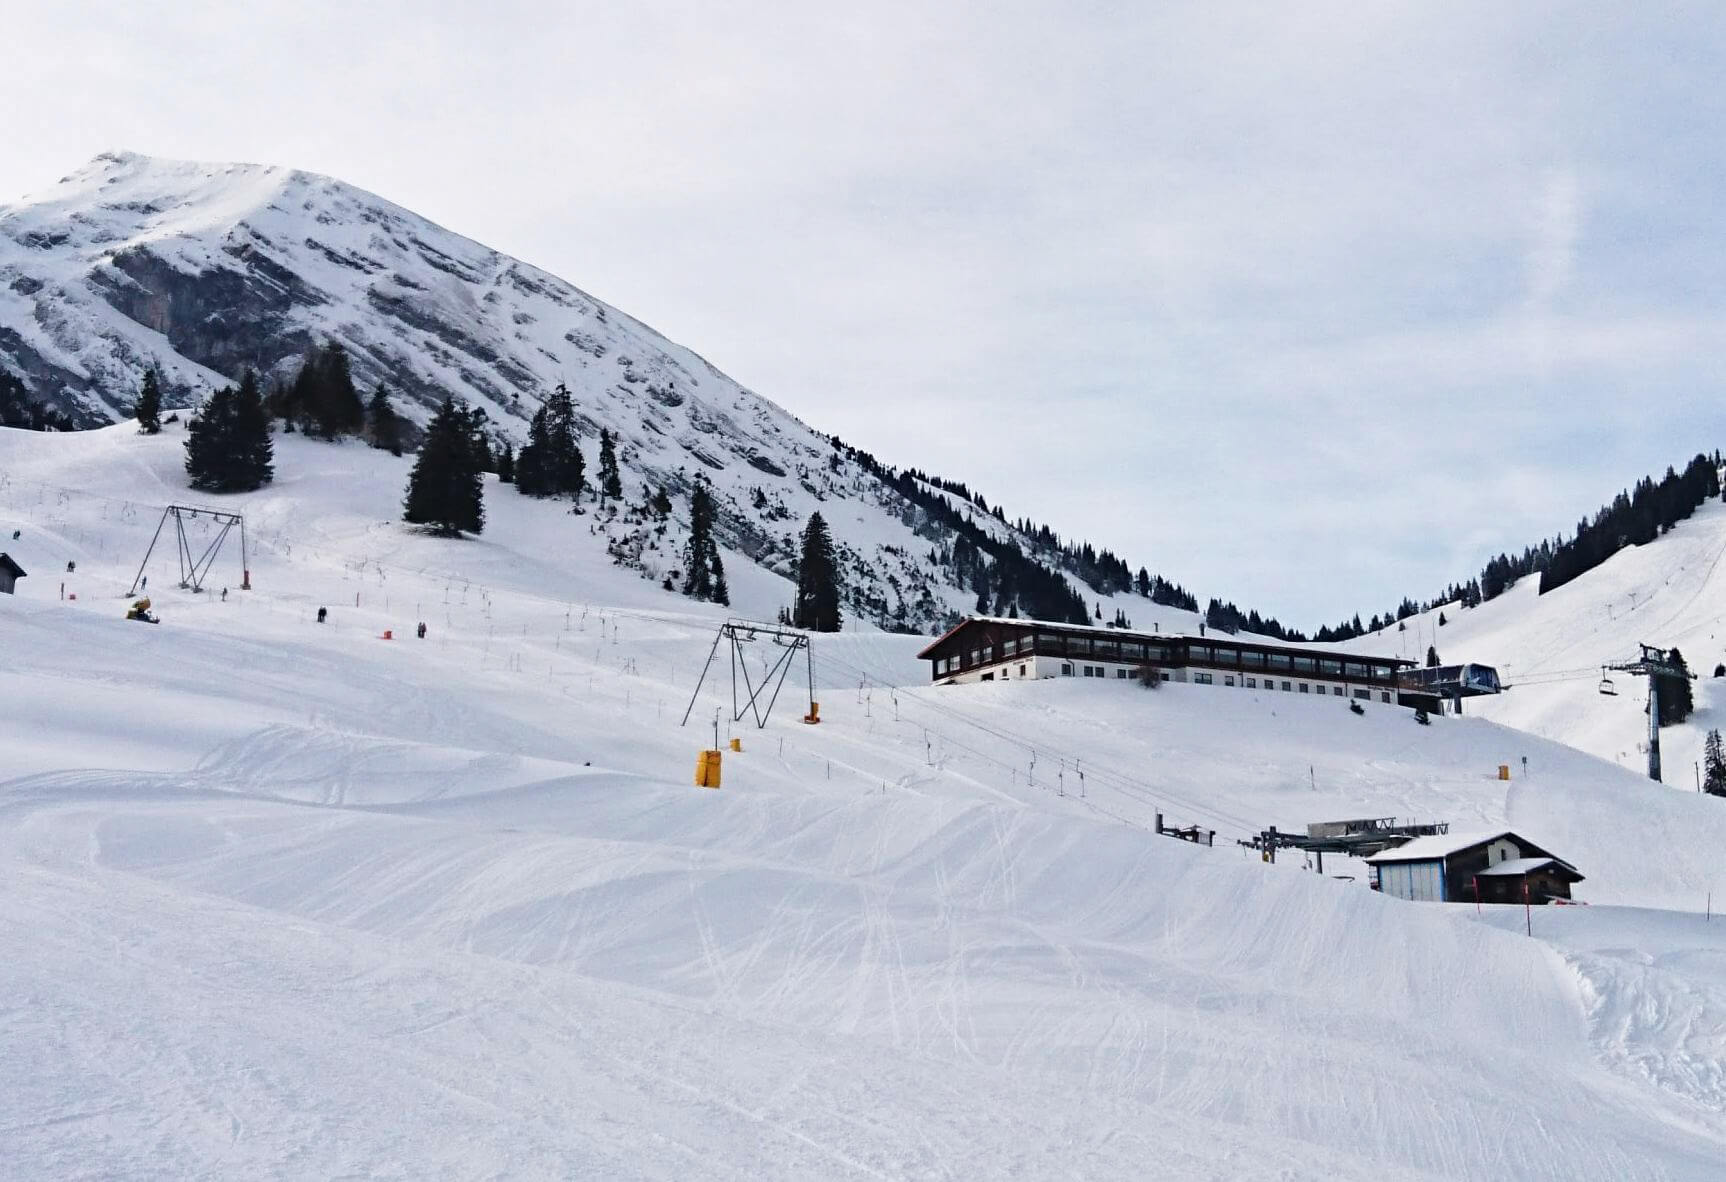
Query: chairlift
[{"x": 1607, "y": 688}]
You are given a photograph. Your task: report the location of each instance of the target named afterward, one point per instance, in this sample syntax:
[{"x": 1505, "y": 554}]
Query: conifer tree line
[
  {"x": 1635, "y": 517},
  {"x": 18, "y": 409}
]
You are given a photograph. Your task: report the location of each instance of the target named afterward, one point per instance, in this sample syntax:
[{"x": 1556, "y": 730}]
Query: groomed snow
[{"x": 290, "y": 900}]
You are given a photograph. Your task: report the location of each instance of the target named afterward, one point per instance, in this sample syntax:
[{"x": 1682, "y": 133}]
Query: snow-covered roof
[
  {"x": 1442, "y": 845},
  {"x": 1513, "y": 867}
]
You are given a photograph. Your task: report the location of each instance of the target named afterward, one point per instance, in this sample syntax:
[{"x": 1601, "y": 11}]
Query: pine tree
[
  {"x": 721, "y": 589},
  {"x": 551, "y": 463},
  {"x": 149, "y": 409},
  {"x": 208, "y": 433},
  {"x": 383, "y": 423},
  {"x": 662, "y": 503},
  {"x": 228, "y": 445},
  {"x": 610, "y": 482},
  {"x": 1676, "y": 701},
  {"x": 1714, "y": 765},
  {"x": 254, "y": 454},
  {"x": 531, "y": 476},
  {"x": 704, "y": 573},
  {"x": 445, "y": 489},
  {"x": 325, "y": 394},
  {"x": 1431, "y": 657},
  {"x": 817, "y": 608},
  {"x": 506, "y": 464}
]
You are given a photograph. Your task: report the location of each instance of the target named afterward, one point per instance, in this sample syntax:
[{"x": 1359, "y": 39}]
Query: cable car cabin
[
  {"x": 986, "y": 648},
  {"x": 1429, "y": 689}
]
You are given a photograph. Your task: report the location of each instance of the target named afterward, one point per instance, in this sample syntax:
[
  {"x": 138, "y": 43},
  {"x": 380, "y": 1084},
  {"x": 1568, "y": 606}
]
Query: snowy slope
[
  {"x": 263, "y": 874},
  {"x": 205, "y": 270},
  {"x": 1551, "y": 648}
]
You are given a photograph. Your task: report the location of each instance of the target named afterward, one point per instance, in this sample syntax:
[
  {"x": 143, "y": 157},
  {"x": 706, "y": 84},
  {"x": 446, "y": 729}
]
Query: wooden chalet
[
  {"x": 989, "y": 648},
  {"x": 10, "y": 573},
  {"x": 1496, "y": 867}
]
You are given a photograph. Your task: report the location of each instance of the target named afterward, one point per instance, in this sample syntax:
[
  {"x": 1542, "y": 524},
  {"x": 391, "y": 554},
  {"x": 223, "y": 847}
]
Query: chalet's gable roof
[
  {"x": 7, "y": 564},
  {"x": 1517, "y": 867},
  {"x": 1443, "y": 845}
]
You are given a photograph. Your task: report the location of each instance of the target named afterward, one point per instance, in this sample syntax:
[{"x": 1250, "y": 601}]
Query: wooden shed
[
  {"x": 1495, "y": 867},
  {"x": 10, "y": 573}
]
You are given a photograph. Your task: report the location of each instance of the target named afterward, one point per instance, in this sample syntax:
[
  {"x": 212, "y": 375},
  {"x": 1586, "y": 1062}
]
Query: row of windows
[
  {"x": 1068, "y": 670},
  {"x": 1196, "y": 653},
  {"x": 1095, "y": 671}
]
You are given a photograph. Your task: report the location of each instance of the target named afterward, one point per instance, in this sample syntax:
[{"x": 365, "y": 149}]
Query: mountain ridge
[{"x": 205, "y": 270}]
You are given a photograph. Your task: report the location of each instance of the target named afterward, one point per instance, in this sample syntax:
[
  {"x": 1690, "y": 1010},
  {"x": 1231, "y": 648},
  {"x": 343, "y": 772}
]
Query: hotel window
[
  {"x": 1287, "y": 687},
  {"x": 1229, "y": 680},
  {"x": 1096, "y": 670},
  {"x": 1304, "y": 664},
  {"x": 1066, "y": 670},
  {"x": 1203, "y": 679},
  {"x": 1367, "y": 694},
  {"x": 1252, "y": 683},
  {"x": 1383, "y": 696},
  {"x": 1022, "y": 672},
  {"x": 1123, "y": 672},
  {"x": 1305, "y": 688}
]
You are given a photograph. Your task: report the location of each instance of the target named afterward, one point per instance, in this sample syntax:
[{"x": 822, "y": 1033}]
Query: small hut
[
  {"x": 1497, "y": 867},
  {"x": 10, "y": 573}
]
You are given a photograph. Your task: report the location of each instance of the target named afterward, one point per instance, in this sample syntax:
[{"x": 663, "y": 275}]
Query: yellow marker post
[
  {"x": 707, "y": 770},
  {"x": 737, "y": 745},
  {"x": 1504, "y": 771}
]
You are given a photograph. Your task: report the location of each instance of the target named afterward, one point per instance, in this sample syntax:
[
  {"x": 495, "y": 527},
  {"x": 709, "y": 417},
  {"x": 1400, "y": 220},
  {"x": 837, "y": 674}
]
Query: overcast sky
[{"x": 1308, "y": 306}]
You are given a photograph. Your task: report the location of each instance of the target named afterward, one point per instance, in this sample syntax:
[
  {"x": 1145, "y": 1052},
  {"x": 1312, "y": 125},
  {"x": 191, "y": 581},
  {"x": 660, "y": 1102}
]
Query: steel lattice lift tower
[
  {"x": 1653, "y": 664},
  {"x": 789, "y": 642},
  {"x": 194, "y": 568}
]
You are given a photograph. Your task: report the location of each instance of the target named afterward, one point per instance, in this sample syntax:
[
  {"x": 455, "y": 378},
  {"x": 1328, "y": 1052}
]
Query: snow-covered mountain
[{"x": 204, "y": 270}]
